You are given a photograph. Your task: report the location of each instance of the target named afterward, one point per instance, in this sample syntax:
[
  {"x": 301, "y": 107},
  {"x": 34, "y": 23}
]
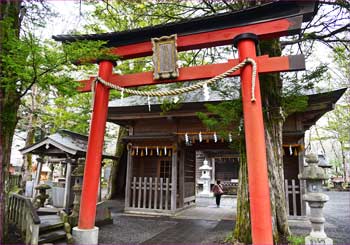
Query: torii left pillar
[{"x": 87, "y": 232}]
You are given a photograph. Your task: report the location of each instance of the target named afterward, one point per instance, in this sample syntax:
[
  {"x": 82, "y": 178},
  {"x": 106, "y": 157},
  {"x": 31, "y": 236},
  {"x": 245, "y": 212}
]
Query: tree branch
[{"x": 317, "y": 37}]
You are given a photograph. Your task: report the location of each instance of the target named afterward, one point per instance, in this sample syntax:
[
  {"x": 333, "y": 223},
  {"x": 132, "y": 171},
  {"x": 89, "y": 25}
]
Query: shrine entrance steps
[
  {"x": 42, "y": 226},
  {"x": 51, "y": 229}
]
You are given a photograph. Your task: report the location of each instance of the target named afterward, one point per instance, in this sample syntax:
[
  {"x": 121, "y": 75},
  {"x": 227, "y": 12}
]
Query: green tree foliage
[
  {"x": 338, "y": 126},
  {"x": 25, "y": 61},
  {"x": 335, "y": 129}
]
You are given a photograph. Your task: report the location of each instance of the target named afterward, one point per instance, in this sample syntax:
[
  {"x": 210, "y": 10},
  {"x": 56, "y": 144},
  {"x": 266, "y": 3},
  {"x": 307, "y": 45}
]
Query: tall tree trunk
[
  {"x": 8, "y": 123},
  {"x": 115, "y": 167},
  {"x": 9, "y": 104},
  {"x": 343, "y": 161},
  {"x": 271, "y": 87},
  {"x": 273, "y": 134},
  {"x": 27, "y": 159},
  {"x": 242, "y": 230}
]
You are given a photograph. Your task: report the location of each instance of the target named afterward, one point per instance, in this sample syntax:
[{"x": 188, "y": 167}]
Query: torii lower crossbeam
[{"x": 265, "y": 63}]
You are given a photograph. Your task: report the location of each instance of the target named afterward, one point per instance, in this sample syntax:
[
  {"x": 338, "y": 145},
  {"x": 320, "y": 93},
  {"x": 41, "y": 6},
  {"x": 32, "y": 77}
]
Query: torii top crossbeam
[
  {"x": 245, "y": 28},
  {"x": 269, "y": 20}
]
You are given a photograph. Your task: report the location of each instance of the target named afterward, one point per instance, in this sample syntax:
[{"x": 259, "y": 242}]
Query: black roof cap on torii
[{"x": 262, "y": 13}]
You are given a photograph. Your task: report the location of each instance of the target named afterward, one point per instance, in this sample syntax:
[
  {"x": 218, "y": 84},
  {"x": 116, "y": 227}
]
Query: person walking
[{"x": 218, "y": 191}]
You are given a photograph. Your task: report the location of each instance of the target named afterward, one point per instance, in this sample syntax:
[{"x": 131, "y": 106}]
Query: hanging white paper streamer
[
  {"x": 206, "y": 92},
  {"x": 149, "y": 103},
  {"x": 230, "y": 137},
  {"x": 165, "y": 151},
  {"x": 186, "y": 138},
  {"x": 240, "y": 126},
  {"x": 200, "y": 137},
  {"x": 146, "y": 150},
  {"x": 215, "y": 137},
  {"x": 137, "y": 150},
  {"x": 290, "y": 150},
  {"x": 157, "y": 151}
]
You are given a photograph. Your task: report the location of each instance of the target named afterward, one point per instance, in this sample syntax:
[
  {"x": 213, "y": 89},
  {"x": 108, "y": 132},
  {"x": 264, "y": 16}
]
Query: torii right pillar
[{"x": 259, "y": 194}]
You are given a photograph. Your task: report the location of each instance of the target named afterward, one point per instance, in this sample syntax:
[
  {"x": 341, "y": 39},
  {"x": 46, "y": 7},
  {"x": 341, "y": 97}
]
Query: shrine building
[{"x": 158, "y": 179}]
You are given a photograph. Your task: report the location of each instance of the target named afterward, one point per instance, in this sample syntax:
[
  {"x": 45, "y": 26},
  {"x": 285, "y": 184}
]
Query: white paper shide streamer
[
  {"x": 230, "y": 137},
  {"x": 149, "y": 103},
  {"x": 215, "y": 137},
  {"x": 206, "y": 92}
]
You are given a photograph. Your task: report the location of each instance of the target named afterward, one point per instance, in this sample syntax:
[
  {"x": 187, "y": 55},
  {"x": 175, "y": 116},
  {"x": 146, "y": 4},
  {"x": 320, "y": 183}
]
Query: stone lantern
[
  {"x": 205, "y": 177},
  {"x": 314, "y": 176},
  {"x": 78, "y": 173},
  {"x": 40, "y": 199}
]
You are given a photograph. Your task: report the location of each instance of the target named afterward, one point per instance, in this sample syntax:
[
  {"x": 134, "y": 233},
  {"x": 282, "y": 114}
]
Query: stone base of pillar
[
  {"x": 311, "y": 240},
  {"x": 82, "y": 236}
]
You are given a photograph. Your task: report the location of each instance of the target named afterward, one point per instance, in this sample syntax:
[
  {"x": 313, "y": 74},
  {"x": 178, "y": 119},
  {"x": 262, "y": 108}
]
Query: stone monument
[{"x": 314, "y": 176}]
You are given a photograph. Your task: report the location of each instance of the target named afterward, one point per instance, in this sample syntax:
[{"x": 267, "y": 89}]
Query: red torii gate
[{"x": 244, "y": 28}]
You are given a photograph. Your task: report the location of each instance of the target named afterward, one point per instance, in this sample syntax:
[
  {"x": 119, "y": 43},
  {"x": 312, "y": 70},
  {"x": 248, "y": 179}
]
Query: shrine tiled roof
[
  {"x": 191, "y": 97},
  {"x": 215, "y": 96},
  {"x": 59, "y": 144}
]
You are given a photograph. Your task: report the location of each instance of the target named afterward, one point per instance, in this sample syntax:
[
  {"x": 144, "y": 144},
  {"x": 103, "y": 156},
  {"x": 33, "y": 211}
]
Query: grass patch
[
  {"x": 231, "y": 240},
  {"x": 296, "y": 240}
]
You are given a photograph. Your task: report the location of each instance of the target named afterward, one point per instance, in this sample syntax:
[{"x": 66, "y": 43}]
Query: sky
[{"x": 69, "y": 17}]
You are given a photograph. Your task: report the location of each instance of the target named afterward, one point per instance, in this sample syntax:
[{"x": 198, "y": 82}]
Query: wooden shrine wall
[
  {"x": 167, "y": 126},
  {"x": 189, "y": 174}
]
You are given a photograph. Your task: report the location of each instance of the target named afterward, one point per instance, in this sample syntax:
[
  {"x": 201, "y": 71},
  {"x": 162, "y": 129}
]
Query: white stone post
[
  {"x": 67, "y": 187},
  {"x": 40, "y": 162}
]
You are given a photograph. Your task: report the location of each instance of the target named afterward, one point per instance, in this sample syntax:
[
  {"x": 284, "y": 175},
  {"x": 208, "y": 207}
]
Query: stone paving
[
  {"x": 207, "y": 224},
  {"x": 201, "y": 225}
]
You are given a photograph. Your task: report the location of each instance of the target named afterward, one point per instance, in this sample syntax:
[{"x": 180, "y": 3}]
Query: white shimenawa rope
[{"x": 177, "y": 91}]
